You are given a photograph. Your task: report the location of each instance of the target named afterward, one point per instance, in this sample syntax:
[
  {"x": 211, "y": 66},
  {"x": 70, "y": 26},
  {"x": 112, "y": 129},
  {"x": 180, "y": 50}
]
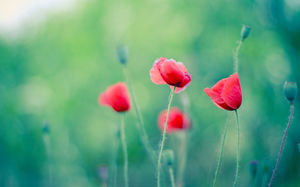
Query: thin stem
[
  {"x": 140, "y": 124},
  {"x": 47, "y": 145},
  {"x": 171, "y": 172},
  {"x": 282, "y": 143},
  {"x": 125, "y": 154},
  {"x": 182, "y": 158},
  {"x": 163, "y": 138},
  {"x": 220, "y": 155},
  {"x": 114, "y": 157},
  {"x": 237, "y": 150},
  {"x": 236, "y": 56}
]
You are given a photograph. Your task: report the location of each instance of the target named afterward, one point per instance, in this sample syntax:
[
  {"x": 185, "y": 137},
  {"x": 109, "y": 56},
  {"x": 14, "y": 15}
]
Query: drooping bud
[
  {"x": 103, "y": 173},
  {"x": 122, "y": 53},
  {"x": 169, "y": 157},
  {"x": 253, "y": 167},
  {"x": 245, "y": 32},
  {"x": 46, "y": 128},
  {"x": 290, "y": 90}
]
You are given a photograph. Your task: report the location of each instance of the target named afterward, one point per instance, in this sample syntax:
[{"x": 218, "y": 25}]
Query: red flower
[
  {"x": 168, "y": 71},
  {"x": 117, "y": 97},
  {"x": 227, "y": 93},
  {"x": 177, "y": 120}
]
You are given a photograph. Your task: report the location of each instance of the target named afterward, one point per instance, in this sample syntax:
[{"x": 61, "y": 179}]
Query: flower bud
[
  {"x": 46, "y": 128},
  {"x": 103, "y": 173},
  {"x": 290, "y": 90},
  {"x": 169, "y": 157},
  {"x": 122, "y": 53},
  {"x": 253, "y": 165},
  {"x": 245, "y": 32}
]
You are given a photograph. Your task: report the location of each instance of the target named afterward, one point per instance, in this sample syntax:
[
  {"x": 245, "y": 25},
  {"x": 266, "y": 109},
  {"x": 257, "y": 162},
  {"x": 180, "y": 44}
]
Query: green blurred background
[{"x": 54, "y": 65}]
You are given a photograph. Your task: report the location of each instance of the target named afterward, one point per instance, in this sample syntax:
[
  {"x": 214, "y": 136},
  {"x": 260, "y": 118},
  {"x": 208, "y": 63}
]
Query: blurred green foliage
[{"x": 55, "y": 71}]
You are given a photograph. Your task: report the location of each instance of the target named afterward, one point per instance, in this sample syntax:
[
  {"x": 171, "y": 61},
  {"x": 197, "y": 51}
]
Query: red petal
[
  {"x": 216, "y": 98},
  {"x": 232, "y": 93},
  {"x": 170, "y": 72},
  {"x": 155, "y": 74},
  {"x": 103, "y": 99}
]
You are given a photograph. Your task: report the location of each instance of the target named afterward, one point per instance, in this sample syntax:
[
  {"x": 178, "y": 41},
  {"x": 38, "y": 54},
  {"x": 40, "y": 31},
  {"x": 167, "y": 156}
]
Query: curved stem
[
  {"x": 236, "y": 56},
  {"x": 237, "y": 150},
  {"x": 125, "y": 154},
  {"x": 140, "y": 124},
  {"x": 282, "y": 143},
  {"x": 163, "y": 138},
  {"x": 171, "y": 172},
  {"x": 220, "y": 155}
]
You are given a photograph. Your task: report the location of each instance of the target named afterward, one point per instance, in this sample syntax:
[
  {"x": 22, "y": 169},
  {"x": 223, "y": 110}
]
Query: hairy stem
[
  {"x": 282, "y": 144},
  {"x": 237, "y": 150},
  {"x": 140, "y": 124},
  {"x": 125, "y": 154},
  {"x": 163, "y": 138},
  {"x": 171, "y": 172},
  {"x": 220, "y": 155},
  {"x": 236, "y": 56}
]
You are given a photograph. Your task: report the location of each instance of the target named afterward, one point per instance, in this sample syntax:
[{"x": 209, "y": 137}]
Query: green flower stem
[
  {"x": 48, "y": 151},
  {"x": 237, "y": 150},
  {"x": 282, "y": 143},
  {"x": 182, "y": 158},
  {"x": 236, "y": 56},
  {"x": 163, "y": 138},
  {"x": 125, "y": 154},
  {"x": 171, "y": 172},
  {"x": 114, "y": 157},
  {"x": 220, "y": 155},
  {"x": 140, "y": 124}
]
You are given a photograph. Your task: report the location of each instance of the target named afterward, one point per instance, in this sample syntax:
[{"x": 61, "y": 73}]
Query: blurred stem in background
[
  {"x": 114, "y": 168},
  {"x": 103, "y": 175},
  {"x": 182, "y": 153},
  {"x": 237, "y": 150},
  {"x": 46, "y": 138},
  {"x": 171, "y": 172},
  {"x": 164, "y": 137},
  {"x": 220, "y": 155},
  {"x": 290, "y": 91},
  {"x": 125, "y": 154},
  {"x": 253, "y": 168},
  {"x": 122, "y": 53},
  {"x": 168, "y": 156}
]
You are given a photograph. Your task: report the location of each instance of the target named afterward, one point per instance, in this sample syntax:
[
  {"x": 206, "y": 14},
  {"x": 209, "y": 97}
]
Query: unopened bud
[
  {"x": 169, "y": 157},
  {"x": 253, "y": 165},
  {"x": 290, "y": 90},
  {"x": 245, "y": 32},
  {"x": 103, "y": 173},
  {"x": 122, "y": 53},
  {"x": 46, "y": 128}
]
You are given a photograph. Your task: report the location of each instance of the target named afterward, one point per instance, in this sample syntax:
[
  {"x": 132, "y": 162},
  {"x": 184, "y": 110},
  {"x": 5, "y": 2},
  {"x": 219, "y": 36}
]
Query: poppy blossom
[
  {"x": 227, "y": 93},
  {"x": 177, "y": 120},
  {"x": 117, "y": 97},
  {"x": 168, "y": 71}
]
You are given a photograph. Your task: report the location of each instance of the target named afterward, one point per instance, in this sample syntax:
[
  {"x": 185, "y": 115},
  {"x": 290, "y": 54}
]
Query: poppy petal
[
  {"x": 217, "y": 99},
  {"x": 171, "y": 73},
  {"x": 232, "y": 93}
]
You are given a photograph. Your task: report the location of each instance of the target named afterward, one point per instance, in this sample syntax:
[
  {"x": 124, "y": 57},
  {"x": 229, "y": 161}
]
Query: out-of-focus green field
[{"x": 54, "y": 71}]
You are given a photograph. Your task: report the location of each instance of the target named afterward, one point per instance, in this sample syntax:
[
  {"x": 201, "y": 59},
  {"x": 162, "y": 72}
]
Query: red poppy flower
[
  {"x": 117, "y": 97},
  {"x": 227, "y": 93},
  {"x": 177, "y": 120},
  {"x": 168, "y": 71}
]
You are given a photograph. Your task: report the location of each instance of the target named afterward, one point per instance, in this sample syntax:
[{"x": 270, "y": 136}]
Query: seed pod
[
  {"x": 122, "y": 53},
  {"x": 245, "y": 32},
  {"x": 290, "y": 90},
  {"x": 169, "y": 157},
  {"x": 46, "y": 128}
]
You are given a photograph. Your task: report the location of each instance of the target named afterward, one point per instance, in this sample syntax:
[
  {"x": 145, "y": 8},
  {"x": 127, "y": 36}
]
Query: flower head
[
  {"x": 117, "y": 97},
  {"x": 177, "y": 120},
  {"x": 168, "y": 71},
  {"x": 227, "y": 93},
  {"x": 290, "y": 90}
]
